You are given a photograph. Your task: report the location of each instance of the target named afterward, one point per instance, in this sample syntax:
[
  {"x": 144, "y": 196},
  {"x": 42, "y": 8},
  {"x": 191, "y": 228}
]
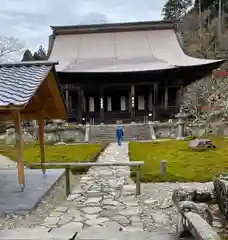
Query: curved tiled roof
[
  {"x": 18, "y": 84},
  {"x": 121, "y": 51},
  {"x": 19, "y": 81}
]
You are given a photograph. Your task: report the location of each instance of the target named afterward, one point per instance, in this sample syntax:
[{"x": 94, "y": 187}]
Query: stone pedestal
[
  {"x": 181, "y": 116},
  {"x": 180, "y": 129},
  {"x": 60, "y": 130}
]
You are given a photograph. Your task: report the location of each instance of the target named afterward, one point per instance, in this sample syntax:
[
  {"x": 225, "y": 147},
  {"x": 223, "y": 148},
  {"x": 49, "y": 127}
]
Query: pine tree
[
  {"x": 40, "y": 54},
  {"x": 27, "y": 56}
]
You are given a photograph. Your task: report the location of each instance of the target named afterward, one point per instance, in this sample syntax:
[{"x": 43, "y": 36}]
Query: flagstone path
[
  {"x": 6, "y": 163},
  {"x": 104, "y": 195}
]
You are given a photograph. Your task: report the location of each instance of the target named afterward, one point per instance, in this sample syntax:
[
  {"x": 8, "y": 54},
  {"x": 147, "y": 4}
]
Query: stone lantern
[
  {"x": 60, "y": 130},
  {"x": 181, "y": 117}
]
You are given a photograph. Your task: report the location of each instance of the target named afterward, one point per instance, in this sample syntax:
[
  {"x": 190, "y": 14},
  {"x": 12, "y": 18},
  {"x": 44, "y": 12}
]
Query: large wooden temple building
[{"x": 125, "y": 71}]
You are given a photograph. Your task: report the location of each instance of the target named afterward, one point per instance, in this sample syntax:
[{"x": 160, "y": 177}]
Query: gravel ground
[
  {"x": 157, "y": 210},
  {"x": 159, "y": 213},
  {"x": 56, "y": 196}
]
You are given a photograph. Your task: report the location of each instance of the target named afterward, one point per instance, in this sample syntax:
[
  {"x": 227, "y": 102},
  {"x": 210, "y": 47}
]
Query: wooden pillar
[
  {"x": 166, "y": 98},
  {"x": 181, "y": 94},
  {"x": 80, "y": 107},
  {"x": 150, "y": 100},
  {"x": 179, "y": 97},
  {"x": 83, "y": 102},
  {"x": 101, "y": 105},
  {"x": 132, "y": 99},
  {"x": 155, "y": 107},
  {"x": 20, "y": 150},
  {"x": 41, "y": 139},
  {"x": 67, "y": 97}
]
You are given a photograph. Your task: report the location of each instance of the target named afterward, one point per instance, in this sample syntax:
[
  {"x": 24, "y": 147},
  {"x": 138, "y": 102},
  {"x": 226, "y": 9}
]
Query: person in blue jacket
[{"x": 119, "y": 135}]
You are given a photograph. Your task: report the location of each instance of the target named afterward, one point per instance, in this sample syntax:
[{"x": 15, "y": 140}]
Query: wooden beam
[
  {"x": 20, "y": 150},
  {"x": 11, "y": 108},
  {"x": 41, "y": 139},
  {"x": 41, "y": 107}
]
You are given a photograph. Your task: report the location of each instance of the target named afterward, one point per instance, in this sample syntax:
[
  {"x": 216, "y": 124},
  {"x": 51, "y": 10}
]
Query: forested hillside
[{"x": 199, "y": 25}]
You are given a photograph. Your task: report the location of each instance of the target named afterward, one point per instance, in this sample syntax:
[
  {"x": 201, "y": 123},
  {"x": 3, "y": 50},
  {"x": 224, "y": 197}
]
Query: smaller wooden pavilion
[{"x": 30, "y": 91}]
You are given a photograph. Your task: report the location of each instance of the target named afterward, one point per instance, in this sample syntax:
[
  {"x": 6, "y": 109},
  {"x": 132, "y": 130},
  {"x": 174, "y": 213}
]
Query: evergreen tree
[
  {"x": 36, "y": 56},
  {"x": 175, "y": 10},
  {"x": 27, "y": 56},
  {"x": 40, "y": 55}
]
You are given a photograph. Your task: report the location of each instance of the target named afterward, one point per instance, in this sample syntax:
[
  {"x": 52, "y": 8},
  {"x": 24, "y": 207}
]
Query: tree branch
[{"x": 9, "y": 46}]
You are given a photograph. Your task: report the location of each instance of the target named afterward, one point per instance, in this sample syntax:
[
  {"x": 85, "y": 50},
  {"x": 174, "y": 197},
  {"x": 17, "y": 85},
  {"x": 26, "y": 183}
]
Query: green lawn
[
  {"x": 61, "y": 153},
  {"x": 183, "y": 164}
]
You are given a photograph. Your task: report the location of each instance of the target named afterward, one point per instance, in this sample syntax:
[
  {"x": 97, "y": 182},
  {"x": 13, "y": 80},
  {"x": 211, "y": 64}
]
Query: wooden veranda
[{"x": 29, "y": 91}]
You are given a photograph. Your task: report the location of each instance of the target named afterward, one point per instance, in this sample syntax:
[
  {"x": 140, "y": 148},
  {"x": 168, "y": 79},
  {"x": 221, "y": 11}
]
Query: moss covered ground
[
  {"x": 183, "y": 164},
  {"x": 55, "y": 154}
]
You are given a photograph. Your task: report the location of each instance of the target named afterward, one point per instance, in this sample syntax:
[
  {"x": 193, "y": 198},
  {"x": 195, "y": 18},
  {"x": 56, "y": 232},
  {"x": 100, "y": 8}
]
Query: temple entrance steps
[{"x": 132, "y": 132}]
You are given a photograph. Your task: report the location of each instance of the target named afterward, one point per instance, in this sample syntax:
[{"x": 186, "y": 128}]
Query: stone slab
[
  {"x": 36, "y": 187},
  {"x": 110, "y": 233},
  {"x": 24, "y": 234}
]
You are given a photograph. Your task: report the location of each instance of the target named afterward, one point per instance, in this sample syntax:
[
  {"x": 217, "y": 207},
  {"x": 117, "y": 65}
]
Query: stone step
[{"x": 107, "y": 133}]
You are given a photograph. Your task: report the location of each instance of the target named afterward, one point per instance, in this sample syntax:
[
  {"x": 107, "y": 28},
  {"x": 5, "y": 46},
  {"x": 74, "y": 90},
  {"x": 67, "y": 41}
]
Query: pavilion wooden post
[
  {"x": 41, "y": 139},
  {"x": 20, "y": 150}
]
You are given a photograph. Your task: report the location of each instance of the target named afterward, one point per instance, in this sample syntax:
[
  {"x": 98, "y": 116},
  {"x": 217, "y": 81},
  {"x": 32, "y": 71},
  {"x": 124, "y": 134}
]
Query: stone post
[{"x": 163, "y": 167}]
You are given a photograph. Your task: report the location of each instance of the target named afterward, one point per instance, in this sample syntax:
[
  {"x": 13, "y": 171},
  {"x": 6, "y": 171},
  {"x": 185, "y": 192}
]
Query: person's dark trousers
[{"x": 119, "y": 141}]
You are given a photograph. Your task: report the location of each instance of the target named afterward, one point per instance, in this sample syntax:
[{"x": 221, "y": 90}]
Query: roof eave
[
  {"x": 29, "y": 63},
  {"x": 133, "y": 26},
  {"x": 213, "y": 65}
]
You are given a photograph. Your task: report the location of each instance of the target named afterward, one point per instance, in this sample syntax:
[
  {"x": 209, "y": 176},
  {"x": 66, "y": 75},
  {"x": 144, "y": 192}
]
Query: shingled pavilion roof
[
  {"x": 123, "y": 47},
  {"x": 29, "y": 91},
  {"x": 32, "y": 89}
]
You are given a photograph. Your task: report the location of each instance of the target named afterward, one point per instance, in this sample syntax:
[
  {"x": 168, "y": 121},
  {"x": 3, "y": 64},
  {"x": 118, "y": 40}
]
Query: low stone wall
[
  {"x": 194, "y": 218},
  {"x": 65, "y": 134},
  {"x": 166, "y": 129},
  {"x": 52, "y": 135}
]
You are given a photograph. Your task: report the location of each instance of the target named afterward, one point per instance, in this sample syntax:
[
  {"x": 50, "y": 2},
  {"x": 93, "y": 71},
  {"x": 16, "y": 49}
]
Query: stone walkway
[
  {"x": 105, "y": 195},
  {"x": 6, "y": 163}
]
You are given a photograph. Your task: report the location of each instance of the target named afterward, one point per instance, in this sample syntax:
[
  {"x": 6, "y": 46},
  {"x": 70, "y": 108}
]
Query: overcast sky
[{"x": 30, "y": 20}]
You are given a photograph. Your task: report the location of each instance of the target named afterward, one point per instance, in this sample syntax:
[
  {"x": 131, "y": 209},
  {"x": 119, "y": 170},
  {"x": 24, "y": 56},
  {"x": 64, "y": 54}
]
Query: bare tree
[{"x": 9, "y": 47}]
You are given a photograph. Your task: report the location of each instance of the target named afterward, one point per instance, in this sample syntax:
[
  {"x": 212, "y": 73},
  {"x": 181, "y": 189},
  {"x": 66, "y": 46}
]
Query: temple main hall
[{"x": 123, "y": 71}]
